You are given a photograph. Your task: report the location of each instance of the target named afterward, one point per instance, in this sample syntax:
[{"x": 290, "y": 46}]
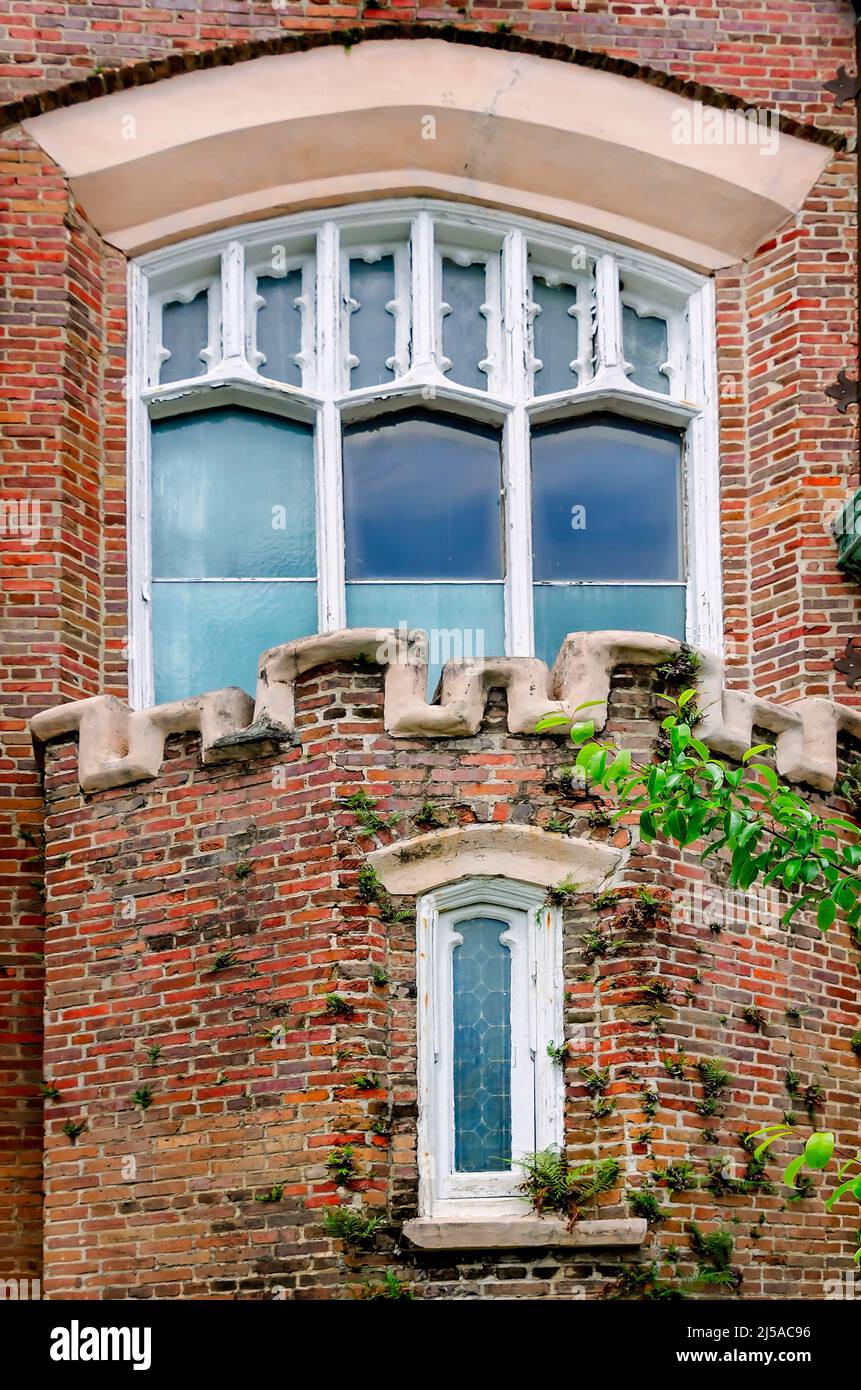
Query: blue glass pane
[
  {"x": 606, "y": 500},
  {"x": 421, "y": 499},
  {"x": 554, "y": 333},
  {"x": 206, "y": 636},
  {"x": 372, "y": 326},
  {"x": 461, "y": 620},
  {"x": 279, "y": 326},
  {"x": 645, "y": 347},
  {"x": 184, "y": 333},
  {"x": 481, "y": 979},
  {"x": 560, "y": 609},
  {"x": 464, "y": 327},
  {"x": 232, "y": 495}
]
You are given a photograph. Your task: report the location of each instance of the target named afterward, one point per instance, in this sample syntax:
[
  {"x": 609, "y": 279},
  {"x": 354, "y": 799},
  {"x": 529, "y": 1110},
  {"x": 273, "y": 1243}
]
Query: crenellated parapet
[{"x": 119, "y": 746}]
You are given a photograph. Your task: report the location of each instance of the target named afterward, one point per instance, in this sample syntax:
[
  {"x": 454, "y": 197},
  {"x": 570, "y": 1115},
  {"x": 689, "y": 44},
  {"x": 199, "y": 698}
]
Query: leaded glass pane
[
  {"x": 207, "y": 636},
  {"x": 372, "y": 322},
  {"x": 606, "y": 501},
  {"x": 421, "y": 498},
  {"x": 464, "y": 327},
  {"x": 645, "y": 347},
  {"x": 481, "y": 982},
  {"x": 232, "y": 496},
  {"x": 184, "y": 335},
  {"x": 279, "y": 326},
  {"x": 462, "y": 621},
  {"x": 564, "y": 608},
  {"x": 554, "y": 334}
]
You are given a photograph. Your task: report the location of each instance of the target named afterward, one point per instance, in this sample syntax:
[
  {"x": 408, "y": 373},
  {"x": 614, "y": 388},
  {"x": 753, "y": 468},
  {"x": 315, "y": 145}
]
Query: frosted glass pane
[
  {"x": 645, "y": 347},
  {"x": 464, "y": 327},
  {"x": 206, "y": 636},
  {"x": 606, "y": 501},
  {"x": 279, "y": 326},
  {"x": 232, "y": 495},
  {"x": 461, "y": 620},
  {"x": 421, "y": 499},
  {"x": 560, "y": 609},
  {"x": 554, "y": 336},
  {"x": 481, "y": 981},
  {"x": 372, "y": 327},
  {"x": 184, "y": 333}
]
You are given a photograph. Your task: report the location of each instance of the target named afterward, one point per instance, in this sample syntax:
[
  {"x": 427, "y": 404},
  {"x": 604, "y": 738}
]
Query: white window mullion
[
  {"x": 140, "y": 674},
  {"x": 517, "y": 483},
  {"x": 611, "y": 362},
  {"x": 702, "y": 480},
  {"x": 233, "y": 310},
  {"x": 547, "y": 994},
  {"x": 331, "y": 598},
  {"x": 423, "y": 284}
]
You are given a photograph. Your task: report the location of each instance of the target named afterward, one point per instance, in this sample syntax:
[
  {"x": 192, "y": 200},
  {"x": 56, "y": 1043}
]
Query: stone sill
[{"x": 523, "y": 1232}]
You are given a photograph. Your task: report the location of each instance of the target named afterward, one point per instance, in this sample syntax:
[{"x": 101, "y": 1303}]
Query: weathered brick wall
[
  {"x": 762, "y": 52},
  {"x": 786, "y": 325},
  {"x": 256, "y": 863},
  {"x": 52, "y": 596}
]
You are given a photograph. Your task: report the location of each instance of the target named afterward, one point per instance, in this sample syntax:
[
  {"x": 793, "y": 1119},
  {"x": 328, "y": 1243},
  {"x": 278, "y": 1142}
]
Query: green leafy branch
[
  {"x": 769, "y": 831},
  {"x": 818, "y": 1153}
]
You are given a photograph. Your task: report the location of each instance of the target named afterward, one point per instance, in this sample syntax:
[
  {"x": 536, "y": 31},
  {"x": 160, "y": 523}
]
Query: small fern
[{"x": 353, "y": 1225}]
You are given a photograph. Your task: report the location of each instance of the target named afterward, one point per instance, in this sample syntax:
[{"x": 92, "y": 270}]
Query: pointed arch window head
[
  {"x": 447, "y": 374},
  {"x": 489, "y": 982}
]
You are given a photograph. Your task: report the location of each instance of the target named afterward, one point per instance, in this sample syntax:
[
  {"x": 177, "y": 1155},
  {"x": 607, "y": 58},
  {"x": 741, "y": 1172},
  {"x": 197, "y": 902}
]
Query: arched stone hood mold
[
  {"x": 577, "y": 145},
  {"x": 522, "y": 852}
]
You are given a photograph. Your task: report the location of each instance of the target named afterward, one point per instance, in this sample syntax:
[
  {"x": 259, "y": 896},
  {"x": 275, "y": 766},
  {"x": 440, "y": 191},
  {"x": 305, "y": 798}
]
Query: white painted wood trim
[
  {"x": 516, "y": 461},
  {"x": 491, "y": 220},
  {"x": 139, "y": 638},
  {"x": 331, "y": 596},
  {"x": 535, "y": 940},
  {"x": 233, "y": 308},
  {"x": 609, "y": 321},
  {"x": 702, "y": 475}
]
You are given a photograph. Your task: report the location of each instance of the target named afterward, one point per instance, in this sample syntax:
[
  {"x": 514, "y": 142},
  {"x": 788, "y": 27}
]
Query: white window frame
[
  {"x": 516, "y": 247},
  {"x": 534, "y": 935}
]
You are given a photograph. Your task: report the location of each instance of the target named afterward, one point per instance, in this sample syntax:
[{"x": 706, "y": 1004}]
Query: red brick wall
[
  {"x": 61, "y": 588},
  {"x": 162, "y": 1202},
  {"x": 762, "y": 52},
  {"x": 786, "y": 325}
]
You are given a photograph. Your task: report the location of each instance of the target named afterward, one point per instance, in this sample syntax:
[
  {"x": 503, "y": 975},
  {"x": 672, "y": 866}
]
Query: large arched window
[{"x": 414, "y": 413}]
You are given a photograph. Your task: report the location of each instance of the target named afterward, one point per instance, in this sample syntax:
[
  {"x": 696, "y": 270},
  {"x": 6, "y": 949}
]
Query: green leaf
[
  {"x": 792, "y": 1170},
  {"x": 580, "y": 732},
  {"x": 550, "y": 721},
  {"x": 647, "y": 826},
  {"x": 825, "y": 914},
  {"x": 782, "y": 1131},
  {"x": 768, "y": 773},
  {"x": 677, "y": 826},
  {"x": 818, "y": 1149},
  {"x": 839, "y": 1191},
  {"x": 685, "y": 698},
  {"x": 752, "y": 752},
  {"x": 620, "y": 766},
  {"x": 586, "y": 754}
]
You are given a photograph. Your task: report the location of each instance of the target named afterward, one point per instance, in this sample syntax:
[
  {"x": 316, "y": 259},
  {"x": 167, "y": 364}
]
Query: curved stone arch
[
  {"x": 424, "y": 116},
  {"x": 518, "y": 853}
]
